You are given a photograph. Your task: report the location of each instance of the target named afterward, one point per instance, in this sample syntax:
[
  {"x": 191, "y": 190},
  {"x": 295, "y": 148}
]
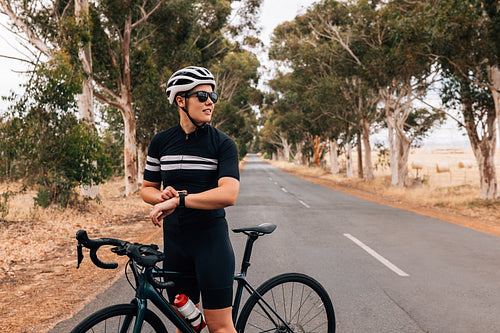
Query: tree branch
[
  {"x": 337, "y": 37},
  {"x": 107, "y": 100},
  {"x": 34, "y": 40},
  {"x": 146, "y": 15},
  {"x": 462, "y": 73}
]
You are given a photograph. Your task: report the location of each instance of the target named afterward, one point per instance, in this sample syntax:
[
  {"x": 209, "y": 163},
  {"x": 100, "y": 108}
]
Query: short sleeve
[
  {"x": 152, "y": 173},
  {"x": 228, "y": 160}
]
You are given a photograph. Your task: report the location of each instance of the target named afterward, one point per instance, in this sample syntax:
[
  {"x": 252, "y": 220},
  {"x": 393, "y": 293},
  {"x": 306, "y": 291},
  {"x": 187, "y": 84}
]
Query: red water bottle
[{"x": 192, "y": 314}]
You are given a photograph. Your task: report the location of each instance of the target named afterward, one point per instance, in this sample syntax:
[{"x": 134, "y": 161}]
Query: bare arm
[
  {"x": 152, "y": 194},
  {"x": 224, "y": 195}
]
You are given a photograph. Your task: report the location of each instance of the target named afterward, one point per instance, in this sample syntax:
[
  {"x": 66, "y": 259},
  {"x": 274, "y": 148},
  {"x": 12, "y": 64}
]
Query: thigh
[
  {"x": 177, "y": 259},
  {"x": 214, "y": 265}
]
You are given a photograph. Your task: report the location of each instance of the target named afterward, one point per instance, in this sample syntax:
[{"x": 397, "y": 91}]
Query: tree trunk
[
  {"x": 349, "y": 160},
  {"x": 393, "y": 147},
  {"x": 360, "y": 157},
  {"x": 279, "y": 154},
  {"x": 130, "y": 151},
  {"x": 318, "y": 149},
  {"x": 368, "y": 149},
  {"x": 142, "y": 153},
  {"x": 85, "y": 100},
  {"x": 334, "y": 157},
  {"x": 286, "y": 148},
  {"x": 404, "y": 145},
  {"x": 494, "y": 77},
  {"x": 485, "y": 155},
  {"x": 483, "y": 148},
  {"x": 301, "y": 157}
]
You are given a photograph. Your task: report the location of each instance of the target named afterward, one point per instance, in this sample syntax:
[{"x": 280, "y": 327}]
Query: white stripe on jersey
[
  {"x": 190, "y": 158},
  {"x": 154, "y": 168},
  {"x": 188, "y": 166},
  {"x": 153, "y": 160}
]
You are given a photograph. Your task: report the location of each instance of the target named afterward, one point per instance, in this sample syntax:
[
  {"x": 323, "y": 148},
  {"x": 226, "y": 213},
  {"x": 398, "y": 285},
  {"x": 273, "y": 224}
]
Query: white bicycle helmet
[{"x": 186, "y": 79}]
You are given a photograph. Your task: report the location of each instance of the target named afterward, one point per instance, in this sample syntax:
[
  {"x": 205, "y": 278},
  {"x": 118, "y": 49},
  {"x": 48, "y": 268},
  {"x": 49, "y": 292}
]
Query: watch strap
[{"x": 182, "y": 199}]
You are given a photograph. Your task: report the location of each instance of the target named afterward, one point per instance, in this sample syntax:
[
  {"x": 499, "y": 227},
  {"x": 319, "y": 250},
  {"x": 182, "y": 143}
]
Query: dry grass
[{"x": 39, "y": 282}]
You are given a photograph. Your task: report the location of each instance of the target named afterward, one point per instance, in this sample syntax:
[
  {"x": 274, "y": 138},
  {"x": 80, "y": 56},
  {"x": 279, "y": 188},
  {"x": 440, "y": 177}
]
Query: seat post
[{"x": 245, "y": 263}]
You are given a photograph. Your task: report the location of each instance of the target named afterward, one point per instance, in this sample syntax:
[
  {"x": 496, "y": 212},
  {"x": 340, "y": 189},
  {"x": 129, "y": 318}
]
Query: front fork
[{"x": 146, "y": 291}]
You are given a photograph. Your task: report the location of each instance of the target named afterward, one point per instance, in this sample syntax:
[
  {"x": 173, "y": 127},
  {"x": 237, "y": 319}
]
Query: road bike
[{"x": 290, "y": 302}]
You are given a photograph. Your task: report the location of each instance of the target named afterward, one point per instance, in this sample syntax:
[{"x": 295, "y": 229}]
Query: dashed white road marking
[
  {"x": 304, "y": 204},
  {"x": 377, "y": 256},
  {"x": 284, "y": 190}
]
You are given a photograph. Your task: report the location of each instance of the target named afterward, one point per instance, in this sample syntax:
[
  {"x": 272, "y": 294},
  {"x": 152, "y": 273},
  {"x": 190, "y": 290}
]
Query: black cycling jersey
[
  {"x": 196, "y": 241},
  {"x": 193, "y": 162}
]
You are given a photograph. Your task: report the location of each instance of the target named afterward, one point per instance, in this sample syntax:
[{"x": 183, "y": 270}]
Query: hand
[
  {"x": 163, "y": 209},
  {"x": 169, "y": 192}
]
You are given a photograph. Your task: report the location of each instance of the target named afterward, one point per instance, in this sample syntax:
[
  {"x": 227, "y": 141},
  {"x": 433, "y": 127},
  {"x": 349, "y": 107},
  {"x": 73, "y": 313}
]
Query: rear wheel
[
  {"x": 119, "y": 318},
  {"x": 301, "y": 303}
]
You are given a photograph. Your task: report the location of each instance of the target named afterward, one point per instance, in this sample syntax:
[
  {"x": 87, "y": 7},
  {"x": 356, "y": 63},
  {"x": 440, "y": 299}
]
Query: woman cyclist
[{"x": 198, "y": 168}]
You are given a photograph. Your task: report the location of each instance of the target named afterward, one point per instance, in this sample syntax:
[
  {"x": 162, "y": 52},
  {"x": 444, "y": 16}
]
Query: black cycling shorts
[{"x": 203, "y": 250}]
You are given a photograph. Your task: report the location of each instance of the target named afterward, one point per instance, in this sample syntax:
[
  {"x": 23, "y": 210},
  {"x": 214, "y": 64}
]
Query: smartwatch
[{"x": 182, "y": 202}]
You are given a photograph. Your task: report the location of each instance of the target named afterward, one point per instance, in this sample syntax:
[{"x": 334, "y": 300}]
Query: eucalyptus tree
[
  {"x": 55, "y": 30},
  {"x": 294, "y": 46},
  {"x": 321, "y": 44},
  {"x": 382, "y": 43},
  {"x": 283, "y": 119},
  {"x": 237, "y": 76},
  {"x": 464, "y": 36},
  {"x": 135, "y": 46},
  {"x": 43, "y": 25}
]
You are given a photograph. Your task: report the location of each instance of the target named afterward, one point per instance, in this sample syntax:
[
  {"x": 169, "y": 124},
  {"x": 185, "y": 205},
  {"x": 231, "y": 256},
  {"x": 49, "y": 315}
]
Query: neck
[{"x": 186, "y": 125}]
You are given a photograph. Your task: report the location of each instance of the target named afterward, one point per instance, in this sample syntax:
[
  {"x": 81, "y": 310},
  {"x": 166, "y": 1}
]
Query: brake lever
[{"x": 79, "y": 252}]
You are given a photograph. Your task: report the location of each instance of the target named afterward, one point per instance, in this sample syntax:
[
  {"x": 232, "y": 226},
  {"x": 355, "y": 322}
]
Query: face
[{"x": 199, "y": 111}]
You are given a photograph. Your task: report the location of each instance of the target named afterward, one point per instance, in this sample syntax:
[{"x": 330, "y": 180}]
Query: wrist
[{"x": 182, "y": 199}]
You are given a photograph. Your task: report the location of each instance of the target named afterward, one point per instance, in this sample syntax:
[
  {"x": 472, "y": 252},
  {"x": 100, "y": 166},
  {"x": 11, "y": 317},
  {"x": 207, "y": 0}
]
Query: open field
[{"x": 39, "y": 283}]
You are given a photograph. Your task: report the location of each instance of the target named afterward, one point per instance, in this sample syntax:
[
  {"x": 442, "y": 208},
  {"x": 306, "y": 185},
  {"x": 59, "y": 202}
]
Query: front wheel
[
  {"x": 119, "y": 318},
  {"x": 300, "y": 302}
]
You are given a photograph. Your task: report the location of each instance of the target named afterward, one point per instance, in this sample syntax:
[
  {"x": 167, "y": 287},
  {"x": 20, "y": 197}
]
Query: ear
[{"x": 181, "y": 101}]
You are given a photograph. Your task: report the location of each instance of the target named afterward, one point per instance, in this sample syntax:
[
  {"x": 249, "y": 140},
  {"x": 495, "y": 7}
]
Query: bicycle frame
[
  {"x": 243, "y": 283},
  {"x": 146, "y": 291}
]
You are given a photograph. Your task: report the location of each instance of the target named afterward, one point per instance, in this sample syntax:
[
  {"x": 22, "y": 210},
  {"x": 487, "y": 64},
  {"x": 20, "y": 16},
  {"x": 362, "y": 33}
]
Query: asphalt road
[{"x": 386, "y": 269}]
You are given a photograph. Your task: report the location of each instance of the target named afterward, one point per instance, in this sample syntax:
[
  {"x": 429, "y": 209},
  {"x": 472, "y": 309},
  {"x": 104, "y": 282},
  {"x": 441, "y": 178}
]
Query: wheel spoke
[{"x": 297, "y": 299}]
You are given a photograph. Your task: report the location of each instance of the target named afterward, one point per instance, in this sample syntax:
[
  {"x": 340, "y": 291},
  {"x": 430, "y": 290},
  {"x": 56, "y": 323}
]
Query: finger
[
  {"x": 154, "y": 217},
  {"x": 170, "y": 192}
]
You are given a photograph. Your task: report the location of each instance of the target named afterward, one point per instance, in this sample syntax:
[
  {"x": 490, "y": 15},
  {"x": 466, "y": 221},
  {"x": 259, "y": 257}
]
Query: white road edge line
[
  {"x": 377, "y": 256},
  {"x": 304, "y": 204}
]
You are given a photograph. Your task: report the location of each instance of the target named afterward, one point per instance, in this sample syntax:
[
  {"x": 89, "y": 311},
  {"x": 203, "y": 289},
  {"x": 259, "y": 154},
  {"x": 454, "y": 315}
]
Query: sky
[{"x": 273, "y": 12}]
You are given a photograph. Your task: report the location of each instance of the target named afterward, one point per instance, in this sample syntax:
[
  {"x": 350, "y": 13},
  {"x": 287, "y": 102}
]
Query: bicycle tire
[
  {"x": 300, "y": 300},
  {"x": 110, "y": 319}
]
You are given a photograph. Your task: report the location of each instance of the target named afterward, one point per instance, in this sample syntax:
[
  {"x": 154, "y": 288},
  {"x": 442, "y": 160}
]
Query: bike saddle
[{"x": 263, "y": 228}]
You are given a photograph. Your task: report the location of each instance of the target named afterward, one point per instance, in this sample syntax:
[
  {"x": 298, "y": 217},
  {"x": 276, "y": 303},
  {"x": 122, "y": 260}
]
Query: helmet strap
[{"x": 192, "y": 120}]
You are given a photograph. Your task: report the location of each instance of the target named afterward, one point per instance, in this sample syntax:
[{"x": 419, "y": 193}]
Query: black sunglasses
[{"x": 203, "y": 95}]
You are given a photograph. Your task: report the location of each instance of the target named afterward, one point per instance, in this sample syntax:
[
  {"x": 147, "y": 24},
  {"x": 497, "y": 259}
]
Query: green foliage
[
  {"x": 57, "y": 153},
  {"x": 44, "y": 144}
]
